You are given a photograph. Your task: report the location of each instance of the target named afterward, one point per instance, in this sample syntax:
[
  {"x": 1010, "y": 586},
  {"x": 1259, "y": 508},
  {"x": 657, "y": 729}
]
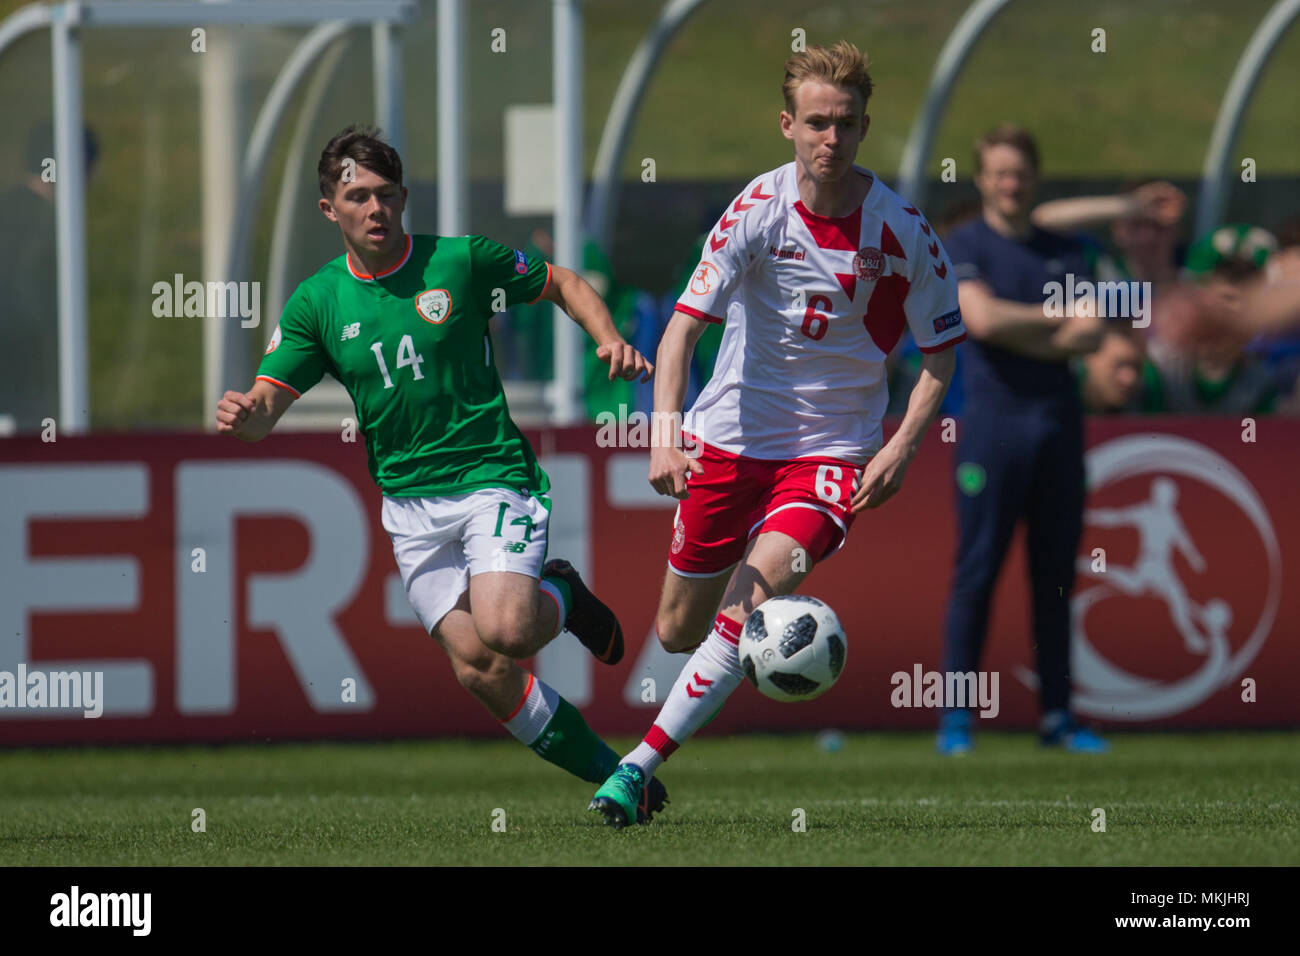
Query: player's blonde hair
[{"x": 840, "y": 65}]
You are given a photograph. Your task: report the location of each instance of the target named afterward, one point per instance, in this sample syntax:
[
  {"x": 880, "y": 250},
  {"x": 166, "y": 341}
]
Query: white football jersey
[{"x": 812, "y": 306}]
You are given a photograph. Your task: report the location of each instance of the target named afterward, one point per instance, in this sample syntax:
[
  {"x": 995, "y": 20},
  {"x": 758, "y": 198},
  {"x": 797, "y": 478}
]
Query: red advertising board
[{"x": 248, "y": 592}]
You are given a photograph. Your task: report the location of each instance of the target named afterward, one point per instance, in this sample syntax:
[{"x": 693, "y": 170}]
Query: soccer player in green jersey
[{"x": 402, "y": 322}]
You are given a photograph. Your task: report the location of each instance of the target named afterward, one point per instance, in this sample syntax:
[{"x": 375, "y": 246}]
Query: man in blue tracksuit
[{"x": 1020, "y": 438}]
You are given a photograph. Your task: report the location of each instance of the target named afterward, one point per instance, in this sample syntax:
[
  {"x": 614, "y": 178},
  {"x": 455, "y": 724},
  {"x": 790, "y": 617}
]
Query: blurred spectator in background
[
  {"x": 1214, "y": 373},
  {"x": 1118, "y": 377},
  {"x": 1269, "y": 304},
  {"x": 1020, "y": 438},
  {"x": 1144, "y": 229},
  {"x": 1278, "y": 341},
  {"x": 29, "y": 303},
  {"x": 1144, "y": 220}
]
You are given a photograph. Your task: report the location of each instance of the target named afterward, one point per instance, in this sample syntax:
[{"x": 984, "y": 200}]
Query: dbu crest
[
  {"x": 679, "y": 536},
  {"x": 868, "y": 263}
]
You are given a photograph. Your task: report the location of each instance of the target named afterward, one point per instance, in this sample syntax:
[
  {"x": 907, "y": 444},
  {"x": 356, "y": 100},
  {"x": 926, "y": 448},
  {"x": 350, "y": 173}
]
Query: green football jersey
[{"x": 411, "y": 346}]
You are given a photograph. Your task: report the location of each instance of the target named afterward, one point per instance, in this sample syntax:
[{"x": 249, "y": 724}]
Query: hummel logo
[
  {"x": 795, "y": 253},
  {"x": 351, "y": 331},
  {"x": 704, "y": 685}
]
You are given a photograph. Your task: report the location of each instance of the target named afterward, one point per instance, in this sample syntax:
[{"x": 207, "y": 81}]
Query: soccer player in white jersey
[{"x": 815, "y": 270}]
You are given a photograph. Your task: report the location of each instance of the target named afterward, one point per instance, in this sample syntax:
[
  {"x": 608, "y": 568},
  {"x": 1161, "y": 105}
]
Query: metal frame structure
[
  {"x": 570, "y": 160},
  {"x": 66, "y": 21},
  {"x": 453, "y": 199},
  {"x": 912, "y": 180},
  {"x": 605, "y": 184},
  {"x": 1213, "y": 196}
]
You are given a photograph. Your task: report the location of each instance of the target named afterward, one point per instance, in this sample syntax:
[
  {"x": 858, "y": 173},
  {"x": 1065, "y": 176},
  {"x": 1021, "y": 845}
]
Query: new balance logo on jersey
[
  {"x": 350, "y": 331},
  {"x": 795, "y": 253}
]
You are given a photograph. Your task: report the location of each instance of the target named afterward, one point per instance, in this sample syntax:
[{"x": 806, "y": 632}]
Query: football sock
[
  {"x": 703, "y": 686},
  {"x": 553, "y": 729},
  {"x": 558, "y": 590}
]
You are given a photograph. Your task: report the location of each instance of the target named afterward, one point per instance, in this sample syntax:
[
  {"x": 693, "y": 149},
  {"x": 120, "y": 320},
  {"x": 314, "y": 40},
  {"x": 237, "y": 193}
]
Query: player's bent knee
[
  {"x": 510, "y": 643},
  {"x": 676, "y": 638},
  {"x": 484, "y": 675},
  {"x": 510, "y": 633}
]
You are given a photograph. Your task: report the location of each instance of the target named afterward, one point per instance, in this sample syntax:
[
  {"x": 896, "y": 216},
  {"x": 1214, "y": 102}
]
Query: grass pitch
[{"x": 885, "y": 799}]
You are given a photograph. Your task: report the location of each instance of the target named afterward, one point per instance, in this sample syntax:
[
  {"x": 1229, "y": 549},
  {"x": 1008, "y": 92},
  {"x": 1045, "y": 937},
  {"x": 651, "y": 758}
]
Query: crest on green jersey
[{"x": 434, "y": 306}]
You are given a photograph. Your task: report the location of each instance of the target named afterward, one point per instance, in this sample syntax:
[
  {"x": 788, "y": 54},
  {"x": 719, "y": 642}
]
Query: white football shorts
[{"x": 440, "y": 543}]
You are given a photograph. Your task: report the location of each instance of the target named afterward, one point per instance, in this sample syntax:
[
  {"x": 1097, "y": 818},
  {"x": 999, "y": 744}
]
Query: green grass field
[{"x": 885, "y": 799}]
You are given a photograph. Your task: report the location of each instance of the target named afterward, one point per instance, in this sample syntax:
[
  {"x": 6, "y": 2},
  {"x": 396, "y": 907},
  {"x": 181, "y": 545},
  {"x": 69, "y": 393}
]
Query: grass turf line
[{"x": 886, "y": 799}]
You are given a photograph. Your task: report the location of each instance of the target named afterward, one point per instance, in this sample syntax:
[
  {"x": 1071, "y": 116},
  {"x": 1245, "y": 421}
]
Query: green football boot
[{"x": 625, "y": 798}]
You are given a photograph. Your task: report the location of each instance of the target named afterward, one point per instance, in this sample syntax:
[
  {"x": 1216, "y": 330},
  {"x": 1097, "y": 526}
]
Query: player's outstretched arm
[
  {"x": 883, "y": 476},
  {"x": 251, "y": 415},
  {"x": 1018, "y": 326},
  {"x": 668, "y": 462},
  {"x": 1025, "y": 327},
  {"x": 1160, "y": 201},
  {"x": 572, "y": 293}
]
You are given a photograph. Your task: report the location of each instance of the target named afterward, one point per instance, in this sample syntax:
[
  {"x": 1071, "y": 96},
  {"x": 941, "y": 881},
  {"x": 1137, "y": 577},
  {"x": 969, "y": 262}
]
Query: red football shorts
[{"x": 738, "y": 497}]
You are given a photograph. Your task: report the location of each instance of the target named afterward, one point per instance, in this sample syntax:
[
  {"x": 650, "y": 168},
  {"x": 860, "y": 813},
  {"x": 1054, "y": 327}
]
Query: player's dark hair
[
  {"x": 840, "y": 65},
  {"x": 1007, "y": 134},
  {"x": 365, "y": 147}
]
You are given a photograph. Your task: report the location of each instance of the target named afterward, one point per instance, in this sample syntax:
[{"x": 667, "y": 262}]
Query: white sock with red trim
[
  {"x": 534, "y": 712},
  {"x": 703, "y": 686}
]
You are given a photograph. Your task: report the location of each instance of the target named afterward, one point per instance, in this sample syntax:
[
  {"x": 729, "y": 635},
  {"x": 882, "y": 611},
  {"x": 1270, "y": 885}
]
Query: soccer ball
[{"x": 792, "y": 648}]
